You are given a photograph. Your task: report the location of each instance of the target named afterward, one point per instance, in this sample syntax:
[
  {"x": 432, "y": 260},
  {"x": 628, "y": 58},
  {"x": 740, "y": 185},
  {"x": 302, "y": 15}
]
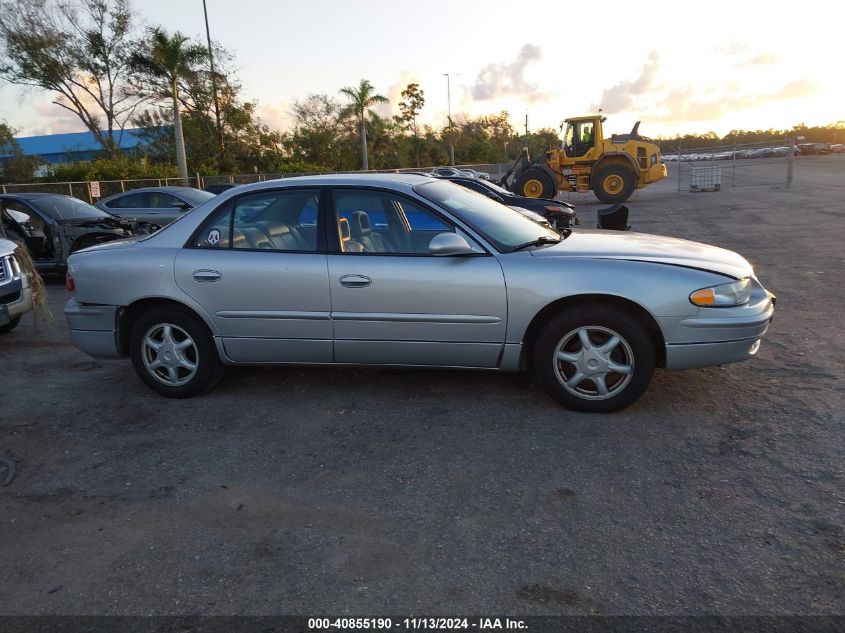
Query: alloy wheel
[
  {"x": 169, "y": 354},
  {"x": 593, "y": 362}
]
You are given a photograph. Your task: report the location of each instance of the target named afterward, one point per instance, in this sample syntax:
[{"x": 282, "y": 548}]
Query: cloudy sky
[{"x": 678, "y": 66}]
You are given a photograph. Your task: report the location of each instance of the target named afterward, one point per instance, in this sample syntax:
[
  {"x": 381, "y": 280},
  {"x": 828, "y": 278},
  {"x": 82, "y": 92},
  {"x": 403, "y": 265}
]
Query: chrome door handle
[
  {"x": 355, "y": 281},
  {"x": 206, "y": 275}
]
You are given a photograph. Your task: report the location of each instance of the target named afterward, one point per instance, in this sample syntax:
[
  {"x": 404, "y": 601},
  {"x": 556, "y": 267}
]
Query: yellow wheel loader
[{"x": 612, "y": 168}]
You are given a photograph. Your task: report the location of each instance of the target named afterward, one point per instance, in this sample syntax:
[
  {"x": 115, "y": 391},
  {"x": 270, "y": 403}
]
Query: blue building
[{"x": 68, "y": 148}]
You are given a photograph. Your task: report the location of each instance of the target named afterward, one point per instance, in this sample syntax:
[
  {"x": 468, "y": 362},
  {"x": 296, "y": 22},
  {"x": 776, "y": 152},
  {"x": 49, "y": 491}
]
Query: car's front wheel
[
  {"x": 594, "y": 358},
  {"x": 173, "y": 353}
]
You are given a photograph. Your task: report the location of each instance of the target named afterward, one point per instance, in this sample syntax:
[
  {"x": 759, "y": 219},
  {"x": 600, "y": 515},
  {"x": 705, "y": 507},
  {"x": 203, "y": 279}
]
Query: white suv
[{"x": 15, "y": 289}]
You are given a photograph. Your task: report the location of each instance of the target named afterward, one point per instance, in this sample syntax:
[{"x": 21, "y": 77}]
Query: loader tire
[
  {"x": 535, "y": 182},
  {"x": 613, "y": 183}
]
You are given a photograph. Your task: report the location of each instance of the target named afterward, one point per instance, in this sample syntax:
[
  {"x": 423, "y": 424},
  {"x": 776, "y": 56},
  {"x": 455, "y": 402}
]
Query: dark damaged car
[{"x": 53, "y": 226}]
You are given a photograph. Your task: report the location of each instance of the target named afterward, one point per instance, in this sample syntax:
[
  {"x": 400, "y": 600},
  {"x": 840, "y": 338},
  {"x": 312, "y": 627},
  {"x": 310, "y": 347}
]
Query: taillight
[{"x": 69, "y": 283}]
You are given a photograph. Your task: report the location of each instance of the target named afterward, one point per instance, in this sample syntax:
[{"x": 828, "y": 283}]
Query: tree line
[
  {"x": 832, "y": 133},
  {"x": 90, "y": 57},
  {"x": 188, "y": 103}
]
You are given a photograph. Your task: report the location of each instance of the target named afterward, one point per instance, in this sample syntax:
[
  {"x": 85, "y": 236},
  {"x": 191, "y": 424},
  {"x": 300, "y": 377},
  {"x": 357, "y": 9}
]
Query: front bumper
[
  {"x": 717, "y": 336},
  {"x": 691, "y": 355},
  {"x": 93, "y": 328},
  {"x": 17, "y": 296}
]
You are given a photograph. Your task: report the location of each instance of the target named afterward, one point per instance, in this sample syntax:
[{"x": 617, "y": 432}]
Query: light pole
[
  {"x": 449, "y": 97},
  {"x": 213, "y": 81}
]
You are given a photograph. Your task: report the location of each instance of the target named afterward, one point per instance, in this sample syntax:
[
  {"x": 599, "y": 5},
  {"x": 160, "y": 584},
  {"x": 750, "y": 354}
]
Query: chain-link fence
[
  {"x": 494, "y": 170},
  {"x": 85, "y": 191},
  {"x": 745, "y": 165}
]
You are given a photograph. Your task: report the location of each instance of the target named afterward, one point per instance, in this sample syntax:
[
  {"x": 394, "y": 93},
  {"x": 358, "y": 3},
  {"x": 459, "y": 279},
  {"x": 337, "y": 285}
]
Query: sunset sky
[{"x": 680, "y": 67}]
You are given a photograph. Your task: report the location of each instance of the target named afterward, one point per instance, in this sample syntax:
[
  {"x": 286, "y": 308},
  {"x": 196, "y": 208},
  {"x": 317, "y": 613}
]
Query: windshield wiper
[{"x": 543, "y": 239}]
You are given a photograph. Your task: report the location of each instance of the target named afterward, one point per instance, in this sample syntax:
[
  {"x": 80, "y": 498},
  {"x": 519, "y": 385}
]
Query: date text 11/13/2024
[{"x": 436, "y": 624}]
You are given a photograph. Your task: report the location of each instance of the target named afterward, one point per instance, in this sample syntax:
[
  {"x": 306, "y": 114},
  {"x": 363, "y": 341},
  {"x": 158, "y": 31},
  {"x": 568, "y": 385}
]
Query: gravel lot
[{"x": 314, "y": 491}]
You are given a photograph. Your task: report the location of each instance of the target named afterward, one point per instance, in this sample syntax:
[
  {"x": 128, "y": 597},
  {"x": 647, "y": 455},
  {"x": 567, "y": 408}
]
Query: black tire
[
  {"x": 201, "y": 352},
  {"x": 605, "y": 177},
  {"x": 11, "y": 325},
  {"x": 634, "y": 350},
  {"x": 535, "y": 182}
]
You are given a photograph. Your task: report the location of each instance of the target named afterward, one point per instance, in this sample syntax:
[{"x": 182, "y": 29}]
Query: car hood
[
  {"x": 103, "y": 223},
  {"x": 528, "y": 213},
  {"x": 543, "y": 202},
  {"x": 648, "y": 248}
]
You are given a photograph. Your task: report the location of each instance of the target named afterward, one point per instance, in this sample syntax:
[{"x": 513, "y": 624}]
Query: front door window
[{"x": 372, "y": 222}]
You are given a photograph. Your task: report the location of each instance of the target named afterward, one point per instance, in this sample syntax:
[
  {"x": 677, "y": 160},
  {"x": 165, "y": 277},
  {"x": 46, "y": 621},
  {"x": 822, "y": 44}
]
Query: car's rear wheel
[
  {"x": 594, "y": 358},
  {"x": 11, "y": 325},
  {"x": 173, "y": 353}
]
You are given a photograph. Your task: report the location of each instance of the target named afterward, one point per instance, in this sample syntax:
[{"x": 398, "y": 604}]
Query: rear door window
[
  {"x": 129, "y": 201},
  {"x": 280, "y": 220}
]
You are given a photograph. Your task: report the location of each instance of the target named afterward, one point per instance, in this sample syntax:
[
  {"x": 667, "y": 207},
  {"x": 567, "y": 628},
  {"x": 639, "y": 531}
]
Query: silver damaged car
[{"x": 400, "y": 269}]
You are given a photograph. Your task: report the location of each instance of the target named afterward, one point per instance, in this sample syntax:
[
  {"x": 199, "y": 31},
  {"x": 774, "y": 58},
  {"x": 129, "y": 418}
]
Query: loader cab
[{"x": 581, "y": 136}]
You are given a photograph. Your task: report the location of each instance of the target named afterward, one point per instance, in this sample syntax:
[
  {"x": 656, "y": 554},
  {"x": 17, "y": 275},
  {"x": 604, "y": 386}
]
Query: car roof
[
  {"x": 168, "y": 189},
  {"x": 321, "y": 180},
  {"x": 34, "y": 195}
]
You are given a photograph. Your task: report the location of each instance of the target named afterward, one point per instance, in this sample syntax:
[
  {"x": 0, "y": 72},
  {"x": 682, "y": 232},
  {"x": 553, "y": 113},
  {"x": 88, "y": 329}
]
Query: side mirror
[
  {"x": 181, "y": 205},
  {"x": 445, "y": 244}
]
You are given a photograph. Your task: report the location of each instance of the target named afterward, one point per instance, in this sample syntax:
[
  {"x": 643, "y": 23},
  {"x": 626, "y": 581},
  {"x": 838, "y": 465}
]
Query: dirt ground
[{"x": 370, "y": 492}]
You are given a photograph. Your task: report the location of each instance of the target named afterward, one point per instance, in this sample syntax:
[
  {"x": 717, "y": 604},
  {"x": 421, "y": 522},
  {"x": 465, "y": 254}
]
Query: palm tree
[
  {"x": 361, "y": 99},
  {"x": 166, "y": 60}
]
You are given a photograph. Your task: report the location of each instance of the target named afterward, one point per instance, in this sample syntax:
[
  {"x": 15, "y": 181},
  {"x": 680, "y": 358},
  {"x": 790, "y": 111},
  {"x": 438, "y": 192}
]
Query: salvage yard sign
[{"x": 95, "y": 188}]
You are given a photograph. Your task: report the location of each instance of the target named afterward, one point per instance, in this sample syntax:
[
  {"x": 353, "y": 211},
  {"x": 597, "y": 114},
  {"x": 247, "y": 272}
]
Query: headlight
[{"x": 733, "y": 294}]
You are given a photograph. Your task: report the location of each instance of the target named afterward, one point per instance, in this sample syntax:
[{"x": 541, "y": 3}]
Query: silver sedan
[
  {"x": 157, "y": 205},
  {"x": 399, "y": 269}
]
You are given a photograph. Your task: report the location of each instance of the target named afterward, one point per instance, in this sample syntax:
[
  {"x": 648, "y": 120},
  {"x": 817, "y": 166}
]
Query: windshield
[
  {"x": 503, "y": 226},
  {"x": 67, "y": 208},
  {"x": 195, "y": 196}
]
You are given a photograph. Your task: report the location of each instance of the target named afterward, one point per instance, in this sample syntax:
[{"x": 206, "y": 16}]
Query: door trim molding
[
  {"x": 414, "y": 318},
  {"x": 273, "y": 314}
]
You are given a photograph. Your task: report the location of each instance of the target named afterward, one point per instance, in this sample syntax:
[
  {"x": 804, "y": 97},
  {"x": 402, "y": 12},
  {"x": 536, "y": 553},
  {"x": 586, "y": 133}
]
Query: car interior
[
  {"x": 379, "y": 223},
  {"x": 287, "y": 221},
  {"x": 282, "y": 221},
  {"x": 20, "y": 223}
]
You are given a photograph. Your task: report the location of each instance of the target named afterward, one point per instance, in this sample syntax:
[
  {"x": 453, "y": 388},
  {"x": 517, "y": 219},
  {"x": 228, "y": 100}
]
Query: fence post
[
  {"x": 733, "y": 155},
  {"x": 70, "y": 189},
  {"x": 4, "y": 188},
  {"x": 790, "y": 161},
  {"x": 122, "y": 188},
  {"x": 680, "y": 163}
]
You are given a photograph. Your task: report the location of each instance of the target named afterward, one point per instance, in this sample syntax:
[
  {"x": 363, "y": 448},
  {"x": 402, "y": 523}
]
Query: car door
[
  {"x": 132, "y": 206},
  {"x": 264, "y": 284},
  {"x": 163, "y": 207},
  {"x": 27, "y": 224},
  {"x": 402, "y": 305}
]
